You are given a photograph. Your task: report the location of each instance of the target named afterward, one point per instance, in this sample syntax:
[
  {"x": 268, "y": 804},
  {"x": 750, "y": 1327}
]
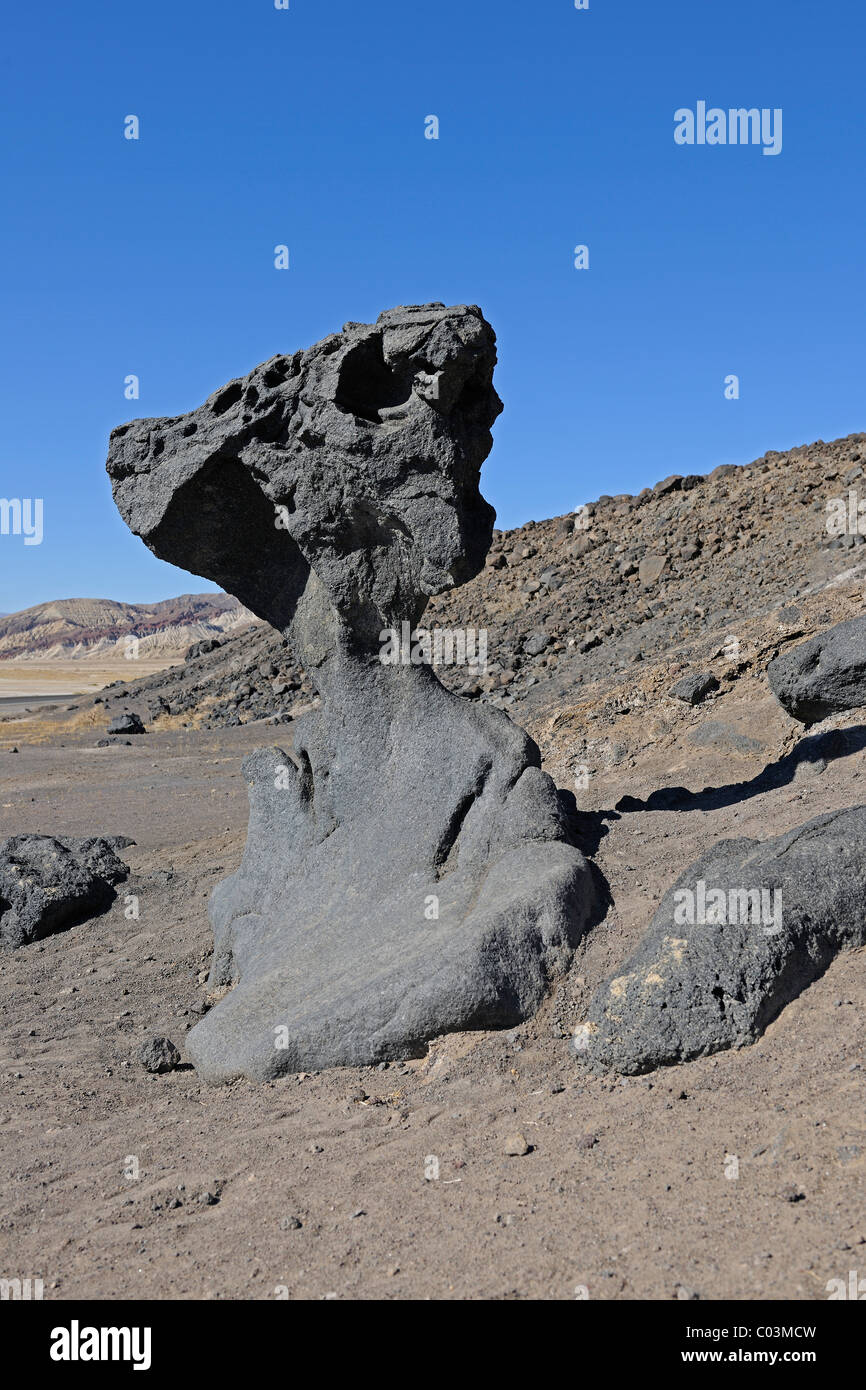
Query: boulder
[
  {"x": 824, "y": 676},
  {"x": 202, "y": 648},
  {"x": 408, "y": 868},
  {"x": 670, "y": 484},
  {"x": 48, "y": 883},
  {"x": 743, "y": 931},
  {"x": 126, "y": 724}
]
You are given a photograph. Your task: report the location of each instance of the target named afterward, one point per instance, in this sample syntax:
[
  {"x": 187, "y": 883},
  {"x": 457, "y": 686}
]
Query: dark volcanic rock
[
  {"x": 742, "y": 933},
  {"x": 352, "y": 473},
  {"x": 407, "y": 870},
  {"x": 823, "y": 676},
  {"x": 48, "y": 883},
  {"x": 159, "y": 1055},
  {"x": 209, "y": 644},
  {"x": 126, "y": 724},
  {"x": 695, "y": 687}
]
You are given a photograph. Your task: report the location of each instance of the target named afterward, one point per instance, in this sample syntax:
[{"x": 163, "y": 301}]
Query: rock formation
[
  {"x": 408, "y": 870},
  {"x": 741, "y": 934}
]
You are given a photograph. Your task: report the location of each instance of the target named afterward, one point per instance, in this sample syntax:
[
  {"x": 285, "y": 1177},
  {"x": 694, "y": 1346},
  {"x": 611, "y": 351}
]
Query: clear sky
[{"x": 306, "y": 127}]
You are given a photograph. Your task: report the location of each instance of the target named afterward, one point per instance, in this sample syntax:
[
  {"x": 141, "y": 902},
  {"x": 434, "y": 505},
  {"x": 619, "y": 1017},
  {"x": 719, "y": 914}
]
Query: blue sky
[{"x": 306, "y": 127}]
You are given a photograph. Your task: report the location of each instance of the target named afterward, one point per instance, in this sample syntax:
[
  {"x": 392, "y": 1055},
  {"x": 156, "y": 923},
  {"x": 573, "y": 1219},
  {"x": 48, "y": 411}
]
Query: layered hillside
[{"x": 91, "y": 629}]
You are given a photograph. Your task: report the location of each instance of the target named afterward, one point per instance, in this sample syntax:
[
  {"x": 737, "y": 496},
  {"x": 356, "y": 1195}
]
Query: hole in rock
[
  {"x": 276, "y": 373},
  {"x": 367, "y": 385},
  {"x": 227, "y": 398}
]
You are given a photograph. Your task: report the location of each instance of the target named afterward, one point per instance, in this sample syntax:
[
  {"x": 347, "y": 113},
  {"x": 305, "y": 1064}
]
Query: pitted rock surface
[{"x": 408, "y": 870}]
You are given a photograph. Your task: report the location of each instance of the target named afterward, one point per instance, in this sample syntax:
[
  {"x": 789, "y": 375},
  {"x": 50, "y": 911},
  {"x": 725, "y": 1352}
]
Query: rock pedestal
[{"x": 407, "y": 871}]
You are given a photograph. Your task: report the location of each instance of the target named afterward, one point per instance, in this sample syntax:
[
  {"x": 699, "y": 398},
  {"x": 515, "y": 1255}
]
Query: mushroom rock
[{"x": 408, "y": 869}]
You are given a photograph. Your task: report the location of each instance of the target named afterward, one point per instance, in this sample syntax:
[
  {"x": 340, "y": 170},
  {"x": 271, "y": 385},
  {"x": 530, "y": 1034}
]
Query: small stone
[
  {"x": 815, "y": 869},
  {"x": 792, "y": 1194},
  {"x": 824, "y": 676},
  {"x": 651, "y": 568},
  {"x": 48, "y": 883},
  {"x": 695, "y": 687},
  {"x": 516, "y": 1146},
  {"x": 159, "y": 1055},
  {"x": 536, "y": 643}
]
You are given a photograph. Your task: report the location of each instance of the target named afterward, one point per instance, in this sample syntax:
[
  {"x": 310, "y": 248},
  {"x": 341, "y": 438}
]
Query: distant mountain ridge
[{"x": 87, "y": 629}]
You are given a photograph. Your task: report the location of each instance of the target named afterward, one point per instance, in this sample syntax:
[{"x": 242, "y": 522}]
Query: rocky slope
[{"x": 571, "y": 603}]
